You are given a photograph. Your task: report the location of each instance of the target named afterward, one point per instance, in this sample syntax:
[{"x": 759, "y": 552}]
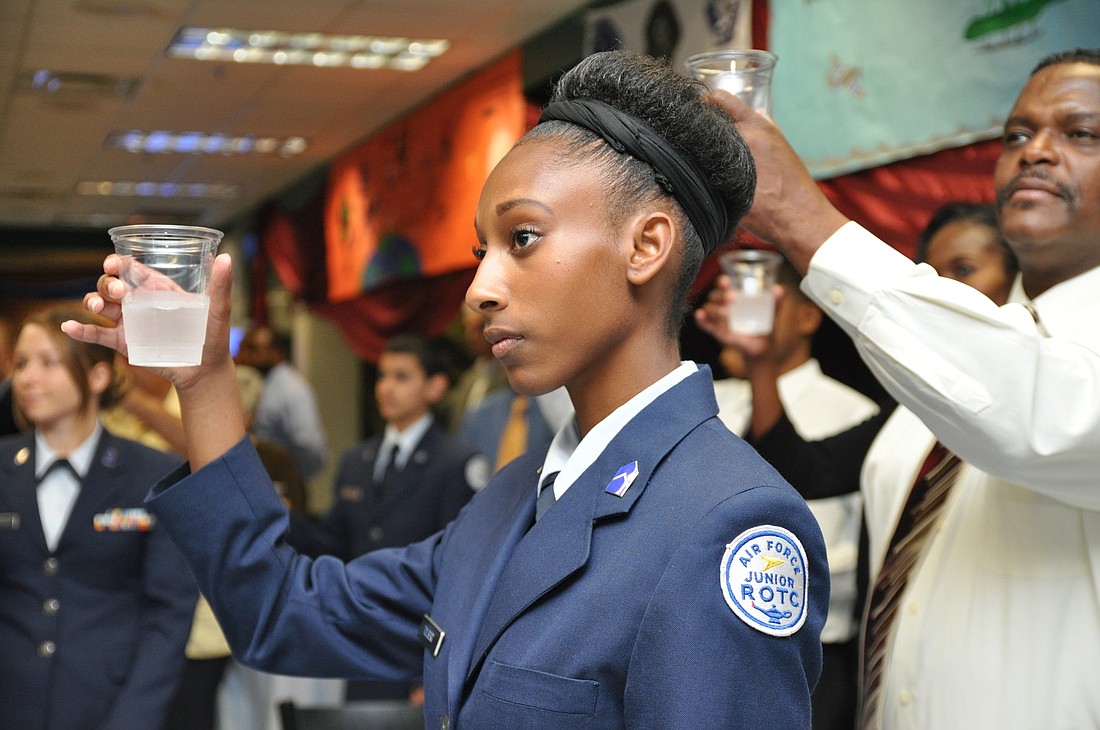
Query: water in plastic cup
[
  {"x": 166, "y": 270},
  {"x": 752, "y": 274},
  {"x": 743, "y": 73}
]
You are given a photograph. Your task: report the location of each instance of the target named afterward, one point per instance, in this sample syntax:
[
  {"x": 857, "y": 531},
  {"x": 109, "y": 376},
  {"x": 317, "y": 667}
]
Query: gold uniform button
[
  {"x": 905, "y": 698},
  {"x": 50, "y": 566},
  {"x": 836, "y": 298},
  {"x": 51, "y": 606},
  {"x": 46, "y": 649}
]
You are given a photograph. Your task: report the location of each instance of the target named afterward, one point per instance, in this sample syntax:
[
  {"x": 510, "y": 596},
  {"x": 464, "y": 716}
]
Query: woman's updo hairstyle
[{"x": 676, "y": 108}]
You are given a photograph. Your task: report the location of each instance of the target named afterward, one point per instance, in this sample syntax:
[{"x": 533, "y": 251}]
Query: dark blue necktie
[
  {"x": 62, "y": 464},
  {"x": 390, "y": 467},
  {"x": 546, "y": 497}
]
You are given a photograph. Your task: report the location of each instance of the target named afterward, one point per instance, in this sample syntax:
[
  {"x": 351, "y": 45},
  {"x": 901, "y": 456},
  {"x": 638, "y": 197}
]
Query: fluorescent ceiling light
[
  {"x": 305, "y": 49},
  {"x": 150, "y": 189},
  {"x": 161, "y": 141},
  {"x": 66, "y": 82}
]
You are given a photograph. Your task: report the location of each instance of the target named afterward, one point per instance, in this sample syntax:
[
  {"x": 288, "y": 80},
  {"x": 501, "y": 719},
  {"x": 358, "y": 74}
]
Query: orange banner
[{"x": 402, "y": 205}]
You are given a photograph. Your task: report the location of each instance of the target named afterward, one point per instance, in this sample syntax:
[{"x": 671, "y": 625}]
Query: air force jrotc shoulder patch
[{"x": 764, "y": 579}]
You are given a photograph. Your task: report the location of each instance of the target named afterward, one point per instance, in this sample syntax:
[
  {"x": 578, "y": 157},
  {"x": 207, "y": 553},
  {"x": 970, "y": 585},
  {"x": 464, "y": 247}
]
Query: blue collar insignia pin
[
  {"x": 110, "y": 457},
  {"x": 623, "y": 479}
]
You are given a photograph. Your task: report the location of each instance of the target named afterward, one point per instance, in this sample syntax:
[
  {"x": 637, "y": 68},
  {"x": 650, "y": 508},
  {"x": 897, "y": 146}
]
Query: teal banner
[{"x": 861, "y": 83}]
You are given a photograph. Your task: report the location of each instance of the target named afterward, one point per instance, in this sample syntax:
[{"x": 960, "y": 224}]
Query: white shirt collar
[
  {"x": 81, "y": 457},
  {"x": 799, "y": 380},
  {"x": 406, "y": 440},
  {"x": 571, "y": 458},
  {"x": 1069, "y": 309}
]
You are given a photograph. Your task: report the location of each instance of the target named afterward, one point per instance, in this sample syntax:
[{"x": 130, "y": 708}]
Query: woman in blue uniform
[
  {"x": 96, "y": 601},
  {"x": 668, "y": 578}
]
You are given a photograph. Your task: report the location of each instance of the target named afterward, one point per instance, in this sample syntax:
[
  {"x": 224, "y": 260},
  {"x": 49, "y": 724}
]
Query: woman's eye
[
  {"x": 479, "y": 252},
  {"x": 524, "y": 238}
]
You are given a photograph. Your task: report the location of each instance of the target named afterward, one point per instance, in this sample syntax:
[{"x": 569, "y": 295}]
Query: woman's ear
[
  {"x": 653, "y": 238},
  {"x": 99, "y": 378}
]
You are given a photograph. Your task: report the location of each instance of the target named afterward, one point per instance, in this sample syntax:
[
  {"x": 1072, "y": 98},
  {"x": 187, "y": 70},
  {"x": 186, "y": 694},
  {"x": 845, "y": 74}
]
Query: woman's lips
[
  {"x": 502, "y": 340},
  {"x": 505, "y": 345}
]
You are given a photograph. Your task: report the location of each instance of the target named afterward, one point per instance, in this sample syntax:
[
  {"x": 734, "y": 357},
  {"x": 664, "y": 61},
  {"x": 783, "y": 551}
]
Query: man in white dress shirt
[{"x": 1000, "y": 623}]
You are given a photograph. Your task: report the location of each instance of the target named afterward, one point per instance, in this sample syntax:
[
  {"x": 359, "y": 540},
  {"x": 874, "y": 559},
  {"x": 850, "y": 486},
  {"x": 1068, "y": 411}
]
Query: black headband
[{"x": 676, "y": 174}]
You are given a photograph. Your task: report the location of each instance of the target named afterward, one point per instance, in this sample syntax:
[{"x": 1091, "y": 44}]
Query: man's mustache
[{"x": 1023, "y": 179}]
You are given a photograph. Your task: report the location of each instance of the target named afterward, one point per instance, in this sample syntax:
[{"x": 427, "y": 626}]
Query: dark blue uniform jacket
[
  {"x": 610, "y": 612},
  {"x": 91, "y": 635}
]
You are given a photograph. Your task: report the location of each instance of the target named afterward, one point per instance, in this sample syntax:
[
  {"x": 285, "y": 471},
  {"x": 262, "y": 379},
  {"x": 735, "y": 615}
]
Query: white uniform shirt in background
[
  {"x": 58, "y": 490},
  {"x": 1000, "y": 626},
  {"x": 818, "y": 406}
]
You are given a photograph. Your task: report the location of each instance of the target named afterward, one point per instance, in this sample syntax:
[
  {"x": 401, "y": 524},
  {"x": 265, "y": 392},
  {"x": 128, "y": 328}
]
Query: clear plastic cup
[
  {"x": 752, "y": 274},
  {"x": 743, "y": 73},
  {"x": 166, "y": 270}
]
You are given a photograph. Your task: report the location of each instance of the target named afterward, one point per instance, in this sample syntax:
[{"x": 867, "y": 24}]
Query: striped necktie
[
  {"x": 513, "y": 438},
  {"x": 916, "y": 524}
]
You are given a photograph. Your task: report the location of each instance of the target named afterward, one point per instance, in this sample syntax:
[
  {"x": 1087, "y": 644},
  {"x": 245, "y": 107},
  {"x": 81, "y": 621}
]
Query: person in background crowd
[
  {"x": 491, "y": 417},
  {"x": 409, "y": 482},
  {"x": 148, "y": 413},
  {"x": 507, "y": 424},
  {"x": 7, "y": 414},
  {"x": 780, "y": 366},
  {"x": 483, "y": 376},
  {"x": 96, "y": 601},
  {"x": 404, "y": 485},
  {"x": 287, "y": 413},
  {"x": 963, "y": 241},
  {"x": 650, "y": 569},
  {"x": 277, "y": 460},
  {"x": 1005, "y": 544},
  {"x": 7, "y": 342}
]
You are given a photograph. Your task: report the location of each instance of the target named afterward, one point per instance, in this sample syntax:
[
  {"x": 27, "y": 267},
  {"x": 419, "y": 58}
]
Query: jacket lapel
[
  {"x": 478, "y": 575},
  {"x": 559, "y": 544}
]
